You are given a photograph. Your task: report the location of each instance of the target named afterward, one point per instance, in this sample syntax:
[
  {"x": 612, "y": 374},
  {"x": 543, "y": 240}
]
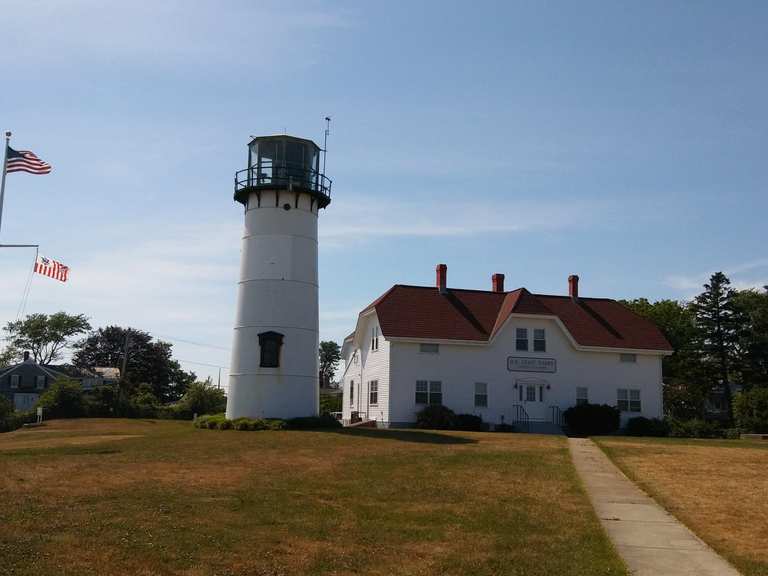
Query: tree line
[{"x": 720, "y": 342}]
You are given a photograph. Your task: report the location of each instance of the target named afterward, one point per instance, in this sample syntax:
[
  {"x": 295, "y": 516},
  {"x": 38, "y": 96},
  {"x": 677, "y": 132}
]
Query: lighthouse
[{"x": 274, "y": 370}]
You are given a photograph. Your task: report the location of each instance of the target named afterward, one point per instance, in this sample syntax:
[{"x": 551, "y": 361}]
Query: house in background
[
  {"x": 23, "y": 383},
  {"x": 506, "y": 356}
]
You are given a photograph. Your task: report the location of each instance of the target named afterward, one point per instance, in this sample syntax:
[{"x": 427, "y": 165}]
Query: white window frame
[
  {"x": 629, "y": 400},
  {"x": 429, "y": 348},
  {"x": 351, "y": 392},
  {"x": 542, "y": 340},
  {"x": 373, "y": 393},
  {"x": 374, "y": 338},
  {"x": 481, "y": 395},
  {"x": 15, "y": 380},
  {"x": 432, "y": 388},
  {"x": 39, "y": 382},
  {"x": 521, "y": 335}
]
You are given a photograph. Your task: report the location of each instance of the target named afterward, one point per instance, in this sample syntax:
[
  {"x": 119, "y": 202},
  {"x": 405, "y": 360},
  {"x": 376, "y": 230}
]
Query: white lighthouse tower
[{"x": 274, "y": 372}]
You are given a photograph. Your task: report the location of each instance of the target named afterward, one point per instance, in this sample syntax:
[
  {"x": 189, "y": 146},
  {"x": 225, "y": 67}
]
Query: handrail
[
  {"x": 557, "y": 415},
  {"x": 283, "y": 174},
  {"x": 520, "y": 416}
]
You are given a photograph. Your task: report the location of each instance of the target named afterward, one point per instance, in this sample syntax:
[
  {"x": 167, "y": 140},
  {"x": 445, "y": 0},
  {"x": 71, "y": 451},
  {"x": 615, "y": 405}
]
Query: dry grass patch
[
  {"x": 172, "y": 499},
  {"x": 718, "y": 488}
]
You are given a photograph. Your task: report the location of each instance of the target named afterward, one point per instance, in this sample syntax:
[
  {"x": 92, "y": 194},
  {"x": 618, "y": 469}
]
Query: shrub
[
  {"x": 64, "y": 399},
  {"x": 225, "y": 424},
  {"x": 436, "y": 417},
  {"x": 330, "y": 403},
  {"x": 592, "y": 419},
  {"x": 751, "y": 410},
  {"x": 469, "y": 422},
  {"x": 16, "y": 420},
  {"x": 310, "y": 422},
  {"x": 6, "y": 408},
  {"x": 693, "y": 428},
  {"x": 202, "y": 398},
  {"x": 642, "y": 426}
]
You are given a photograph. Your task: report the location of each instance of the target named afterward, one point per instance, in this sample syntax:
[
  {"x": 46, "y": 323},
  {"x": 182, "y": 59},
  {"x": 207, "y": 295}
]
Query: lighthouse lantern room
[{"x": 274, "y": 370}]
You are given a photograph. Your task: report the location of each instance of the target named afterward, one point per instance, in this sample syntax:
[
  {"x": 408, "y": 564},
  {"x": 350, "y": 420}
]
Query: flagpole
[{"x": 5, "y": 169}]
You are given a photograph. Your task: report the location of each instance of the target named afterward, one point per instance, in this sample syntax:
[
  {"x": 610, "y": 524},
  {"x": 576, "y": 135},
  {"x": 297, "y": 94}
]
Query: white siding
[
  {"x": 460, "y": 366},
  {"x": 372, "y": 365}
]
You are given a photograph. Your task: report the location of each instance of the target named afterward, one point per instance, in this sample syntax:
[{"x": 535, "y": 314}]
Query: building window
[
  {"x": 429, "y": 392},
  {"x": 375, "y": 338},
  {"x": 373, "y": 392},
  {"x": 521, "y": 339},
  {"x": 40, "y": 382},
  {"x": 15, "y": 380},
  {"x": 629, "y": 358},
  {"x": 582, "y": 395},
  {"x": 422, "y": 392},
  {"x": 629, "y": 400},
  {"x": 539, "y": 340},
  {"x": 481, "y": 395},
  {"x": 530, "y": 393},
  {"x": 429, "y": 348},
  {"x": 269, "y": 346},
  {"x": 351, "y": 392}
]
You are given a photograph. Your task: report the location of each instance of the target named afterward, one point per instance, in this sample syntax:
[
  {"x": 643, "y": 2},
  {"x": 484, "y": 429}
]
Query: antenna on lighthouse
[{"x": 325, "y": 140}]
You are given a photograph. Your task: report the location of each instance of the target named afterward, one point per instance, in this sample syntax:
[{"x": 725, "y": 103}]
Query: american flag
[
  {"x": 51, "y": 268},
  {"x": 25, "y": 161}
]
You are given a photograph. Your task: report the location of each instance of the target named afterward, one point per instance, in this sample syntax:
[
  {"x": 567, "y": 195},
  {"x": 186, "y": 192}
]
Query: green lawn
[
  {"x": 718, "y": 488},
  {"x": 148, "y": 497}
]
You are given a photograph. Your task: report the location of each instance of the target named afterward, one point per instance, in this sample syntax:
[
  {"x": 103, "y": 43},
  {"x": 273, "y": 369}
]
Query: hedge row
[{"x": 220, "y": 422}]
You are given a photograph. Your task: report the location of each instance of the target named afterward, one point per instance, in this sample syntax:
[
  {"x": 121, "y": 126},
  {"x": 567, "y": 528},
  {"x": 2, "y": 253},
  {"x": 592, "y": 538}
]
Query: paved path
[{"x": 651, "y": 541}]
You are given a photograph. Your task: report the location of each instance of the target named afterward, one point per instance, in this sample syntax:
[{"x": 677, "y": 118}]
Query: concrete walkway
[{"x": 650, "y": 540}]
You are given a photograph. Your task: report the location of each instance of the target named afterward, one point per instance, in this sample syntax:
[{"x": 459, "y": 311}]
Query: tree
[
  {"x": 752, "y": 307},
  {"x": 44, "y": 336},
  {"x": 7, "y": 357},
  {"x": 330, "y": 356},
  {"x": 64, "y": 399},
  {"x": 686, "y": 385},
  {"x": 718, "y": 319},
  {"x": 147, "y": 361},
  {"x": 203, "y": 398}
]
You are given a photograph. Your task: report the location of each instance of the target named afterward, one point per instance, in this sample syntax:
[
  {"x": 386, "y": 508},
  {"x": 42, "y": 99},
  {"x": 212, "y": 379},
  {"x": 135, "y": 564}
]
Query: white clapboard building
[{"x": 508, "y": 356}]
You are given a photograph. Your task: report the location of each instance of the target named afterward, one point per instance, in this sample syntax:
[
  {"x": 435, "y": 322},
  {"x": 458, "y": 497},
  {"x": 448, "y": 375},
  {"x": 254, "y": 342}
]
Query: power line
[
  {"x": 202, "y": 364},
  {"x": 192, "y": 342}
]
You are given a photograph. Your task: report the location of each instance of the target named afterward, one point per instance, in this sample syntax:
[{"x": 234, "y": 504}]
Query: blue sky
[{"x": 622, "y": 141}]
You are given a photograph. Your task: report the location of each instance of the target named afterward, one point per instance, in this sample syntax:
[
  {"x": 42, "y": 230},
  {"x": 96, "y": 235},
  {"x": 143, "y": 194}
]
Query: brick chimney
[
  {"x": 442, "y": 278},
  {"x": 497, "y": 282},
  {"x": 573, "y": 286},
  {"x": 26, "y": 356}
]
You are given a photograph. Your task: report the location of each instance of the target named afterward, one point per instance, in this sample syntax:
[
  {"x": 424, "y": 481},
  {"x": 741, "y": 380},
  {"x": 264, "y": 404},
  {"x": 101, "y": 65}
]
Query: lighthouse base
[{"x": 272, "y": 396}]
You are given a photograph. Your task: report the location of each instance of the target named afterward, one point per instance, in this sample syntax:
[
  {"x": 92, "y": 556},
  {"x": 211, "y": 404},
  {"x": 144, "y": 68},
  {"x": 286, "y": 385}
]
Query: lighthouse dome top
[{"x": 283, "y": 162}]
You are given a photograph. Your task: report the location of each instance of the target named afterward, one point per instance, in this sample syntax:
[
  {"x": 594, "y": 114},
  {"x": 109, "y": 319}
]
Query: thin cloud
[{"x": 739, "y": 274}]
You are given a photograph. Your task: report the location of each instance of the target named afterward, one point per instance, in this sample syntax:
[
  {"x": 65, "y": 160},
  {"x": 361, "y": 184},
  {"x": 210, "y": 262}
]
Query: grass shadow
[{"x": 415, "y": 436}]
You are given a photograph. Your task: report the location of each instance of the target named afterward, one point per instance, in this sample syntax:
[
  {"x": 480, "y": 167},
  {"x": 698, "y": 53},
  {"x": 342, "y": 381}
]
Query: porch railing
[{"x": 520, "y": 417}]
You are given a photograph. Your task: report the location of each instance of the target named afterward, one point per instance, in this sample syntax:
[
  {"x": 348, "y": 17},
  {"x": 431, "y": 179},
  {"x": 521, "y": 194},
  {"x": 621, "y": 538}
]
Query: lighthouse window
[{"x": 269, "y": 345}]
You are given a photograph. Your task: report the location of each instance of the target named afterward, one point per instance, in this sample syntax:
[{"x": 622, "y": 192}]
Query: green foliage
[
  {"x": 751, "y": 410},
  {"x": 16, "y": 420},
  {"x": 330, "y": 403},
  {"x": 220, "y": 422},
  {"x": 203, "y": 398},
  {"x": 435, "y": 417},
  {"x": 693, "y": 428},
  {"x": 641, "y": 426},
  {"x": 64, "y": 399},
  {"x": 8, "y": 356},
  {"x": 149, "y": 362},
  {"x": 592, "y": 419},
  {"x": 469, "y": 422},
  {"x": 6, "y": 407},
  {"x": 752, "y": 309},
  {"x": 330, "y": 356},
  {"x": 44, "y": 336}
]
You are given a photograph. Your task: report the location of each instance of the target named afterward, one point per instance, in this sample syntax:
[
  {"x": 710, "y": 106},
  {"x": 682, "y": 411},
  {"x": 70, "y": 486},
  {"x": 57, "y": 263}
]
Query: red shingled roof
[{"x": 422, "y": 312}]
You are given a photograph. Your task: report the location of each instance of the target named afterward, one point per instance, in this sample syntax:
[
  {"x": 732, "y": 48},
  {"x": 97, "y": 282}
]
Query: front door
[{"x": 532, "y": 394}]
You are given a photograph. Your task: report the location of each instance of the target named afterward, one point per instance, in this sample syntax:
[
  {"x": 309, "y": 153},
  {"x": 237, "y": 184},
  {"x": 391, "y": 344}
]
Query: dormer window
[
  {"x": 521, "y": 339},
  {"x": 269, "y": 345},
  {"x": 539, "y": 340}
]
